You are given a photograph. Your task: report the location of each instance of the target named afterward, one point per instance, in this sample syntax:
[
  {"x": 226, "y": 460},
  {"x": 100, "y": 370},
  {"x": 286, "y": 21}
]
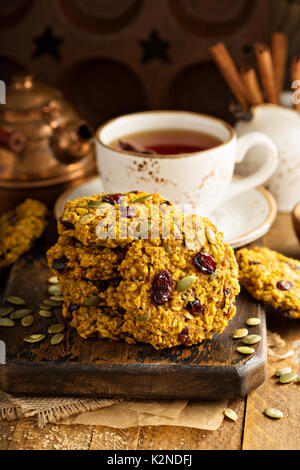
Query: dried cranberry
[
  {"x": 73, "y": 307},
  {"x": 229, "y": 309},
  {"x": 226, "y": 291},
  {"x": 60, "y": 264},
  {"x": 284, "y": 285},
  {"x": 126, "y": 146},
  {"x": 184, "y": 335},
  {"x": 112, "y": 198},
  {"x": 204, "y": 262},
  {"x": 194, "y": 307},
  {"x": 254, "y": 263},
  {"x": 162, "y": 287},
  {"x": 67, "y": 225}
]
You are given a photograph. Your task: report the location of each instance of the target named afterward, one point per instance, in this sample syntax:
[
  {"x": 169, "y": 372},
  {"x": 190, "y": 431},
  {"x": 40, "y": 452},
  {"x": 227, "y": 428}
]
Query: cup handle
[{"x": 260, "y": 176}]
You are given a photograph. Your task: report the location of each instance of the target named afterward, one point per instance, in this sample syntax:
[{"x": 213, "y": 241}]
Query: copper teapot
[{"x": 43, "y": 142}]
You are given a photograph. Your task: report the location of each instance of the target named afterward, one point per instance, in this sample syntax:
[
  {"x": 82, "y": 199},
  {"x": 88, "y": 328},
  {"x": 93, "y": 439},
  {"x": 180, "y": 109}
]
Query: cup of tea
[{"x": 187, "y": 157}]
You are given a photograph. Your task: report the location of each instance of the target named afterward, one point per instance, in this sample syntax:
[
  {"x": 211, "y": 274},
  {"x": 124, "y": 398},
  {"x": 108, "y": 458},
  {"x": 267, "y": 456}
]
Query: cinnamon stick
[
  {"x": 266, "y": 71},
  {"x": 279, "y": 49},
  {"x": 251, "y": 83},
  {"x": 230, "y": 73},
  {"x": 295, "y": 75}
]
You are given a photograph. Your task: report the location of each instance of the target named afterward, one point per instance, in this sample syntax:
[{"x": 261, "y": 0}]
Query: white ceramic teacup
[{"x": 201, "y": 179}]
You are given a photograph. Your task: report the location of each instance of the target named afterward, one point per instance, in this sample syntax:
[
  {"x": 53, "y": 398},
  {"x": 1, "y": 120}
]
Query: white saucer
[{"x": 243, "y": 219}]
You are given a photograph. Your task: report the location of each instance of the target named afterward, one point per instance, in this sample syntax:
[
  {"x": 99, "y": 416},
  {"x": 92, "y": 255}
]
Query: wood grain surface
[
  {"x": 252, "y": 430},
  {"x": 95, "y": 367}
]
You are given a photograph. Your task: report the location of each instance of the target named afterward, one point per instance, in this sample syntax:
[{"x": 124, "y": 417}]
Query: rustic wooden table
[{"x": 251, "y": 431}]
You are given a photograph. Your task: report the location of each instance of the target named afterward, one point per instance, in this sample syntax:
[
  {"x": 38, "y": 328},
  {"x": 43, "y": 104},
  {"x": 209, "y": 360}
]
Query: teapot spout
[{"x": 72, "y": 141}]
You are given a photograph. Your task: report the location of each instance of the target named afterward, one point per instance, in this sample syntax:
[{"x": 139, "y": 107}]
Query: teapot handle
[
  {"x": 12, "y": 140},
  {"x": 260, "y": 176}
]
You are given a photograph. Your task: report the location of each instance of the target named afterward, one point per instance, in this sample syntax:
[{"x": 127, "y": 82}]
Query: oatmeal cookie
[
  {"x": 180, "y": 297},
  {"x": 97, "y": 322},
  {"x": 19, "y": 229},
  {"x": 71, "y": 259},
  {"x": 115, "y": 220},
  {"x": 84, "y": 292},
  {"x": 271, "y": 278}
]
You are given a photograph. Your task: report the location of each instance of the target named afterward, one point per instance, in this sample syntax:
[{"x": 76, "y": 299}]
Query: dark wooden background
[{"x": 111, "y": 57}]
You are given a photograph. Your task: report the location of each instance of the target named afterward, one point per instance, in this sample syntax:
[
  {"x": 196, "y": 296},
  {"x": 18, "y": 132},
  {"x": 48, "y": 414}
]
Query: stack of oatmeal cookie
[{"x": 130, "y": 268}]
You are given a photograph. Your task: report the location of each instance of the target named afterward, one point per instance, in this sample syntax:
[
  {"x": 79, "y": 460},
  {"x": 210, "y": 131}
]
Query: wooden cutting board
[{"x": 94, "y": 367}]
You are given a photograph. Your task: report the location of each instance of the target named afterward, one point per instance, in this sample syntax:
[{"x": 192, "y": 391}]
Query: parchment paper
[{"x": 207, "y": 415}]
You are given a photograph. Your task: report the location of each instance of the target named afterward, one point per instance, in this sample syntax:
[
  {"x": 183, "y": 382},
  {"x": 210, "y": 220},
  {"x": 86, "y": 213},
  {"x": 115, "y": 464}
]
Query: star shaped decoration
[
  {"x": 155, "y": 48},
  {"x": 47, "y": 43}
]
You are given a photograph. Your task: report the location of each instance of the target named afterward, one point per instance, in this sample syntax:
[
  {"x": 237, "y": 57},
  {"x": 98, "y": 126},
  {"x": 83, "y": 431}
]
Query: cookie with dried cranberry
[
  {"x": 115, "y": 220},
  {"x": 19, "y": 229},
  {"x": 271, "y": 278},
  {"x": 70, "y": 258},
  {"x": 174, "y": 287},
  {"x": 178, "y": 296}
]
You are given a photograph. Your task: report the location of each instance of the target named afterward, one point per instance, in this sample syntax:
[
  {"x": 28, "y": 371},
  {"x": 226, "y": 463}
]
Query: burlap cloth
[{"x": 118, "y": 413}]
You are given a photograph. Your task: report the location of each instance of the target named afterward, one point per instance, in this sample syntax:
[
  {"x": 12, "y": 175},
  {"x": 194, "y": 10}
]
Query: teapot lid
[{"x": 25, "y": 94}]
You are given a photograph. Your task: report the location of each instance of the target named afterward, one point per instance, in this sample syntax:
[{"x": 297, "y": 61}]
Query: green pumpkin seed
[
  {"x": 6, "y": 311},
  {"x": 245, "y": 350},
  {"x": 144, "y": 317},
  {"x": 15, "y": 300},
  {"x": 54, "y": 289},
  {"x": 185, "y": 283},
  {"x": 45, "y": 307},
  {"x": 57, "y": 298},
  {"x": 288, "y": 378},
  {"x": 53, "y": 280},
  {"x": 240, "y": 333},
  {"x": 92, "y": 301},
  {"x": 273, "y": 413},
  {"x": 253, "y": 321},
  {"x": 190, "y": 244},
  {"x": 85, "y": 219},
  {"x": 27, "y": 321},
  {"x": 34, "y": 338},
  {"x": 230, "y": 414},
  {"x": 56, "y": 339},
  {"x": 57, "y": 328},
  {"x": 168, "y": 249},
  {"x": 45, "y": 313},
  {"x": 96, "y": 204},
  {"x": 210, "y": 235},
  {"x": 18, "y": 314},
  {"x": 143, "y": 199},
  {"x": 283, "y": 371},
  {"x": 189, "y": 316},
  {"x": 6, "y": 322},
  {"x": 214, "y": 275},
  {"x": 251, "y": 339},
  {"x": 52, "y": 303}
]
